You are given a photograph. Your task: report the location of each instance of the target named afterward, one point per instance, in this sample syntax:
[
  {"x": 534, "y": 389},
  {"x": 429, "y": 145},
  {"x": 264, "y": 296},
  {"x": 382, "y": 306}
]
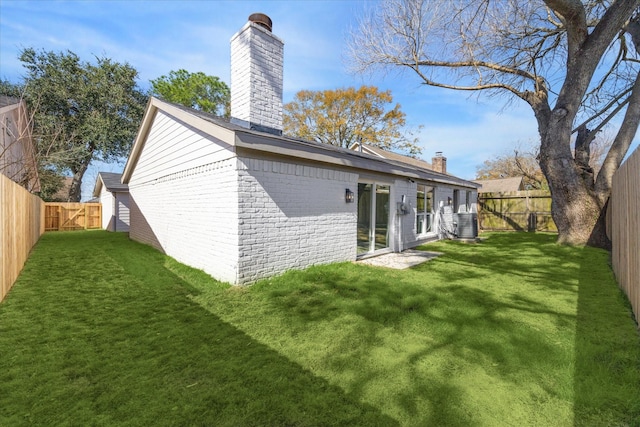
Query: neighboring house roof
[
  {"x": 242, "y": 140},
  {"x": 62, "y": 195},
  {"x": 111, "y": 181},
  {"x": 17, "y": 153},
  {"x": 379, "y": 152},
  {"x": 500, "y": 185}
]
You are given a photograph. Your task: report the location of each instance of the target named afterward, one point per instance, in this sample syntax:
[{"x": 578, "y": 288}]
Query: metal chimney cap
[
  {"x": 438, "y": 153},
  {"x": 262, "y": 20}
]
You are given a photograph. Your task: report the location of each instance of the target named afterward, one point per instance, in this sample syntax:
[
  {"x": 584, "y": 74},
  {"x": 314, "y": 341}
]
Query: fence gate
[{"x": 72, "y": 216}]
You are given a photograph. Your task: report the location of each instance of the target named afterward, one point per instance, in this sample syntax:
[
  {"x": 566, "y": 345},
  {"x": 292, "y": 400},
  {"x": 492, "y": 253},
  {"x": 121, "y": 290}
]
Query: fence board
[
  {"x": 515, "y": 211},
  {"x": 21, "y": 225},
  {"x": 72, "y": 216},
  {"x": 624, "y": 229}
]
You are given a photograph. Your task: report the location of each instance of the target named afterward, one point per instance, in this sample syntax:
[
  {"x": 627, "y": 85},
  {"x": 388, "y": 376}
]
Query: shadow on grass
[
  {"x": 456, "y": 336},
  {"x": 607, "y": 348},
  {"x": 97, "y": 331}
]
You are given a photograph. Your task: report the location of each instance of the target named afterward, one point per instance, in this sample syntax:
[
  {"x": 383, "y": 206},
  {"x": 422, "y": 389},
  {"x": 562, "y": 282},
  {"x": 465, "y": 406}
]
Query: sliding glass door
[{"x": 373, "y": 217}]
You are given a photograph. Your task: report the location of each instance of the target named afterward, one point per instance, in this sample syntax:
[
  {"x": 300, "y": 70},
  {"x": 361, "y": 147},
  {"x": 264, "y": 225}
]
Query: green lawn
[{"x": 515, "y": 330}]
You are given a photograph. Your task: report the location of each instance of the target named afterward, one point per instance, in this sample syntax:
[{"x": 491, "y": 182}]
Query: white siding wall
[
  {"x": 184, "y": 198},
  {"x": 122, "y": 212},
  {"x": 293, "y": 216},
  {"x": 404, "y": 234},
  {"x": 106, "y": 200}
]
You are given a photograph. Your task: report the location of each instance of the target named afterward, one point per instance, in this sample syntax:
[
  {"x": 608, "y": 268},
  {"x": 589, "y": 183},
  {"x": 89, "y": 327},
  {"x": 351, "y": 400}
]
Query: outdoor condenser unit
[{"x": 467, "y": 225}]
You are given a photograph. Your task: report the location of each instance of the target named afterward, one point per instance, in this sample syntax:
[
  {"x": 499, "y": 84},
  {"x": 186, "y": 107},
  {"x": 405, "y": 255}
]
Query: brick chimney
[
  {"x": 256, "y": 76},
  {"x": 439, "y": 162}
]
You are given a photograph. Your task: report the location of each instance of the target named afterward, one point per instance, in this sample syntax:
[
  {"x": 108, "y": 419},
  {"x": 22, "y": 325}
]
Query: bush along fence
[
  {"x": 528, "y": 210},
  {"x": 21, "y": 225},
  {"x": 624, "y": 229},
  {"x": 72, "y": 216}
]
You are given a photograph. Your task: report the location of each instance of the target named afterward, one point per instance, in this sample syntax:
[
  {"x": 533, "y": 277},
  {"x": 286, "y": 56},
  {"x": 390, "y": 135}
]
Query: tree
[
  {"x": 41, "y": 171},
  {"x": 82, "y": 111},
  {"x": 523, "y": 161},
  {"x": 575, "y": 63},
  {"x": 517, "y": 163},
  {"x": 342, "y": 117},
  {"x": 194, "y": 90}
]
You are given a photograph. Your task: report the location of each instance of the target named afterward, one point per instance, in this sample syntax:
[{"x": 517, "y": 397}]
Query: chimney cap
[
  {"x": 438, "y": 153},
  {"x": 261, "y": 19}
]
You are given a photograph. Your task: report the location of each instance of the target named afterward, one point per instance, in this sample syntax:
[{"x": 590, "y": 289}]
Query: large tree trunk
[
  {"x": 75, "y": 190},
  {"x": 576, "y": 209}
]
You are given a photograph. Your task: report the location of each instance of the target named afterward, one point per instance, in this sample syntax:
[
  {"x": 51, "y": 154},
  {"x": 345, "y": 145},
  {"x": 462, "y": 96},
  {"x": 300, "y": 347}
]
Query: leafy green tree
[
  {"x": 343, "y": 117},
  {"x": 81, "y": 111},
  {"x": 10, "y": 89},
  {"x": 195, "y": 90}
]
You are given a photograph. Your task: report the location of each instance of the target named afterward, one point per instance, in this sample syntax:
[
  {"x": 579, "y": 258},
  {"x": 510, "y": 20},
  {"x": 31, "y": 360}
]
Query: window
[
  {"x": 456, "y": 201},
  {"x": 424, "y": 209}
]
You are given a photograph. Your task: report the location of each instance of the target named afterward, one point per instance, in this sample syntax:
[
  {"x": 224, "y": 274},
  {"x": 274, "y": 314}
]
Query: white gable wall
[
  {"x": 293, "y": 216},
  {"x": 184, "y": 198},
  {"x": 108, "y": 215}
]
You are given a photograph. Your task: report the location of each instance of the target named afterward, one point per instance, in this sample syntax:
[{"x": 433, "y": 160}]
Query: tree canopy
[
  {"x": 194, "y": 90},
  {"x": 81, "y": 111},
  {"x": 342, "y": 117},
  {"x": 575, "y": 63}
]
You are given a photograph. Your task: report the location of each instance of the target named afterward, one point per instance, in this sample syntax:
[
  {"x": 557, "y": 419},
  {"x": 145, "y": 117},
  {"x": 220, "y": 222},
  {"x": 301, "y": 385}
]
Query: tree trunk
[
  {"x": 75, "y": 190},
  {"x": 576, "y": 209}
]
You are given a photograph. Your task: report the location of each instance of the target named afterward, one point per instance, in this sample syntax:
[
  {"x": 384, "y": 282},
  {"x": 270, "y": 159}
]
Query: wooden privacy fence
[
  {"x": 624, "y": 229},
  {"x": 528, "y": 210},
  {"x": 72, "y": 216},
  {"x": 21, "y": 225}
]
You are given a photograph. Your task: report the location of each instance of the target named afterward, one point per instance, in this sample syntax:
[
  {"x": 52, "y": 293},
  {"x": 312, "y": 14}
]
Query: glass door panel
[
  {"x": 382, "y": 217},
  {"x": 364, "y": 218},
  {"x": 373, "y": 217}
]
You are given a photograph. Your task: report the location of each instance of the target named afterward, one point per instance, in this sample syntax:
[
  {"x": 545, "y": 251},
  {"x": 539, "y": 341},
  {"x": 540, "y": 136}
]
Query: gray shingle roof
[
  {"x": 112, "y": 181},
  {"x": 500, "y": 185}
]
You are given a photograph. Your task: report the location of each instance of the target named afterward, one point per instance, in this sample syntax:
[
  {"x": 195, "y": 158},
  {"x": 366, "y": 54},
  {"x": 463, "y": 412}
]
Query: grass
[{"x": 515, "y": 330}]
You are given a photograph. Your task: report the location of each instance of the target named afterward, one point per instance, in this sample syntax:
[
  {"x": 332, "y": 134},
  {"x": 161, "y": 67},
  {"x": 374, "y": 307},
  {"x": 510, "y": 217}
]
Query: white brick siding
[
  {"x": 191, "y": 216},
  {"x": 293, "y": 216},
  {"x": 257, "y": 76},
  {"x": 184, "y": 198}
]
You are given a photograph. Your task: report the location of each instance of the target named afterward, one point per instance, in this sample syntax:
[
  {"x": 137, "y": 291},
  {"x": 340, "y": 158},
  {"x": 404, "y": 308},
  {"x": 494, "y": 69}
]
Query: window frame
[{"x": 424, "y": 218}]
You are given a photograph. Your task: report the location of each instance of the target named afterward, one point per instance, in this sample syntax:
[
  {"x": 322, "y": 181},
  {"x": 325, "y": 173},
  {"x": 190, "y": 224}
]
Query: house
[
  {"x": 242, "y": 202},
  {"x": 62, "y": 195},
  {"x": 17, "y": 153},
  {"x": 501, "y": 185},
  {"x": 114, "y": 198}
]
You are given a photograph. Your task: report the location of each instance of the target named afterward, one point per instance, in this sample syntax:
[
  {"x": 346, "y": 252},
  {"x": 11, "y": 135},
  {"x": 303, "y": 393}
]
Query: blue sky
[{"x": 156, "y": 37}]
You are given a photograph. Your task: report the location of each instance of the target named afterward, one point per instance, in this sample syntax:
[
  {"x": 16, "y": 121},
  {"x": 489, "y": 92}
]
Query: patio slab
[{"x": 401, "y": 260}]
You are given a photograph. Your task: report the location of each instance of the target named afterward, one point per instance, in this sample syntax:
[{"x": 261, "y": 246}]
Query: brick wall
[
  {"x": 191, "y": 216},
  {"x": 256, "y": 76},
  {"x": 293, "y": 216}
]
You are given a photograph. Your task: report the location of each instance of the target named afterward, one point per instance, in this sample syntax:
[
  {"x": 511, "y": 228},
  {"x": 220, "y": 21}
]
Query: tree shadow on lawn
[
  {"x": 427, "y": 340},
  {"x": 117, "y": 340}
]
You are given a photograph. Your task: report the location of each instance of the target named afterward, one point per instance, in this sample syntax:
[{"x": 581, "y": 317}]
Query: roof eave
[{"x": 349, "y": 158}]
